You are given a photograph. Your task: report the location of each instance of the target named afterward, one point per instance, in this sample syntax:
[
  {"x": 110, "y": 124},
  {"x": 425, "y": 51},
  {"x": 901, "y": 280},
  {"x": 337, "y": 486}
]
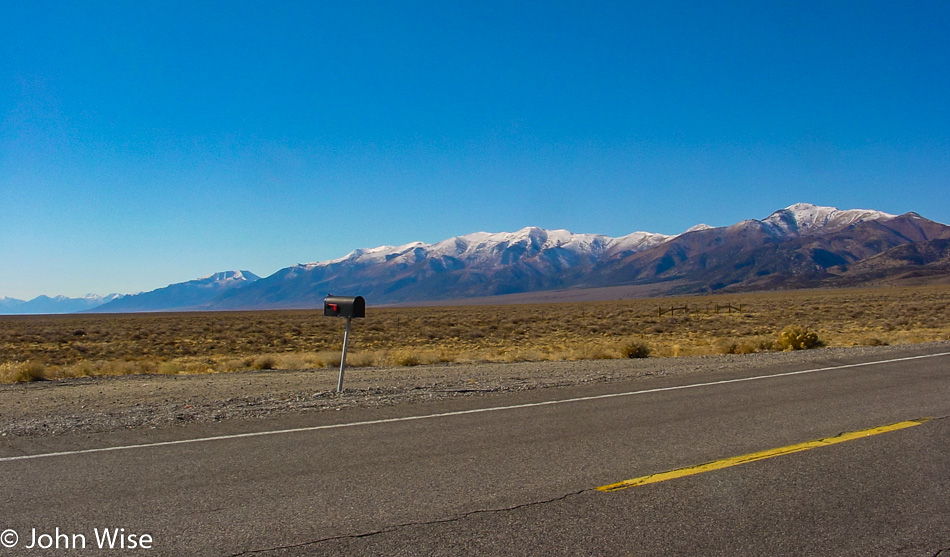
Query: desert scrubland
[{"x": 53, "y": 347}]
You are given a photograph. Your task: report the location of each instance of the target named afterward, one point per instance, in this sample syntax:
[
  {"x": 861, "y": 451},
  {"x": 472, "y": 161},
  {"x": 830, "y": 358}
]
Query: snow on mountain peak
[
  {"x": 563, "y": 247},
  {"x": 485, "y": 248},
  {"x": 804, "y": 218},
  {"x": 101, "y": 299},
  {"x": 229, "y": 276}
]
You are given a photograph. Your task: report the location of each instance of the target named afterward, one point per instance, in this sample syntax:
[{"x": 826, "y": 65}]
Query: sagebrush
[{"x": 50, "y": 347}]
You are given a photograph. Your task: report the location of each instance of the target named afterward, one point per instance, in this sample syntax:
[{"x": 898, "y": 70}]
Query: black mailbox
[{"x": 344, "y": 306}]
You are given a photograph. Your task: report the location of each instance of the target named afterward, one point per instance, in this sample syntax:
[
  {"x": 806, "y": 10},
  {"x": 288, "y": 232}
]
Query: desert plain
[{"x": 101, "y": 373}]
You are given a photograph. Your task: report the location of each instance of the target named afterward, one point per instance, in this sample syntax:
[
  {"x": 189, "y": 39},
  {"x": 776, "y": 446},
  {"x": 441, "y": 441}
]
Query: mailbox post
[{"x": 348, "y": 307}]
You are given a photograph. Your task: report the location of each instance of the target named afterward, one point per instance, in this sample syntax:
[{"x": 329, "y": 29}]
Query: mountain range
[
  {"x": 797, "y": 247},
  {"x": 57, "y": 304}
]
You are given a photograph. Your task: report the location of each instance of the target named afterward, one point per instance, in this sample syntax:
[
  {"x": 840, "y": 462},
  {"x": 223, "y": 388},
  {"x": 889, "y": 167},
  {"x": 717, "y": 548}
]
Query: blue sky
[{"x": 145, "y": 143}]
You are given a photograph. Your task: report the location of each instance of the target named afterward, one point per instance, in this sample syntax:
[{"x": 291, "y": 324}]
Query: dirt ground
[{"x": 148, "y": 401}]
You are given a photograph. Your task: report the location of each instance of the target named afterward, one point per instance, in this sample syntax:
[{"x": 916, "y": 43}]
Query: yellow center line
[{"x": 761, "y": 455}]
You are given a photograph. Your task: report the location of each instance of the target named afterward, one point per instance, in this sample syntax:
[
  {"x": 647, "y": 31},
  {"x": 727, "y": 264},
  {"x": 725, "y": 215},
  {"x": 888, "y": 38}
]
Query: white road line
[{"x": 458, "y": 413}]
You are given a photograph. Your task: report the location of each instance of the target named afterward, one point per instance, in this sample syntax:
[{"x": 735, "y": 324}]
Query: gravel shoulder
[{"x": 104, "y": 404}]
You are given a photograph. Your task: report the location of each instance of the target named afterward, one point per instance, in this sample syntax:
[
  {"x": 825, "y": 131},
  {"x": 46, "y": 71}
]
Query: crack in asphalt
[
  {"x": 397, "y": 527},
  {"x": 393, "y": 528}
]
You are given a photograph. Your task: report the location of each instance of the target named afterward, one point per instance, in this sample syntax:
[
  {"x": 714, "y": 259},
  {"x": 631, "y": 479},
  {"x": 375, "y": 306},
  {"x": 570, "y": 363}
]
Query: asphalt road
[{"x": 517, "y": 474}]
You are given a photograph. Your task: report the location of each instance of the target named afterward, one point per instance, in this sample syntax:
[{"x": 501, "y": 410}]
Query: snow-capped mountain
[
  {"x": 793, "y": 245},
  {"x": 181, "y": 296},
  {"x": 802, "y": 219},
  {"x": 475, "y": 264},
  {"x": 801, "y": 245},
  {"x": 488, "y": 250},
  {"x": 483, "y": 250}
]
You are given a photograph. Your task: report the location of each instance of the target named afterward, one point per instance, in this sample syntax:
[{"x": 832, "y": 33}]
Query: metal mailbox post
[{"x": 349, "y": 307}]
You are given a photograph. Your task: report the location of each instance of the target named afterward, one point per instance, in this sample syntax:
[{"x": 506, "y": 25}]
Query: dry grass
[{"x": 50, "y": 347}]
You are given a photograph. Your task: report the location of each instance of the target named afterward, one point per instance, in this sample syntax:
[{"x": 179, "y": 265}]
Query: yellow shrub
[{"x": 798, "y": 338}]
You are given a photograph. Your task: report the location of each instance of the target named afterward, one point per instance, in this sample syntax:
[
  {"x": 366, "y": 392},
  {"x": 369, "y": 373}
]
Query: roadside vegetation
[{"x": 51, "y": 347}]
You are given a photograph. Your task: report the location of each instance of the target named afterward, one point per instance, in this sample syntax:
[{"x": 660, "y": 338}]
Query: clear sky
[{"x": 146, "y": 143}]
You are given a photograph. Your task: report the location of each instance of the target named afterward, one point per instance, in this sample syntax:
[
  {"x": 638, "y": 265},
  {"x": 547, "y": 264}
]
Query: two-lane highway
[{"x": 519, "y": 474}]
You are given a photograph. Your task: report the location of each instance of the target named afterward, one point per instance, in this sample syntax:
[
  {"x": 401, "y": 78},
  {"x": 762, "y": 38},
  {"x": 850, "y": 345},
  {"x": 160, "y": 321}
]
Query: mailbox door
[
  {"x": 335, "y": 306},
  {"x": 344, "y": 306}
]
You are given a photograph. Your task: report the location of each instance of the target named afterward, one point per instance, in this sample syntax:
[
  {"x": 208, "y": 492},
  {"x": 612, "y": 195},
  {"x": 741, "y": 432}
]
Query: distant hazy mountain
[
  {"x": 9, "y": 305},
  {"x": 57, "y": 304},
  {"x": 801, "y": 245},
  {"x": 181, "y": 296}
]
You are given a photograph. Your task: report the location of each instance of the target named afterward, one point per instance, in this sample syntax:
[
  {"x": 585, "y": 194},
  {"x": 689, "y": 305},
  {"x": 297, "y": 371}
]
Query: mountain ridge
[
  {"x": 802, "y": 245},
  {"x": 797, "y": 245}
]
